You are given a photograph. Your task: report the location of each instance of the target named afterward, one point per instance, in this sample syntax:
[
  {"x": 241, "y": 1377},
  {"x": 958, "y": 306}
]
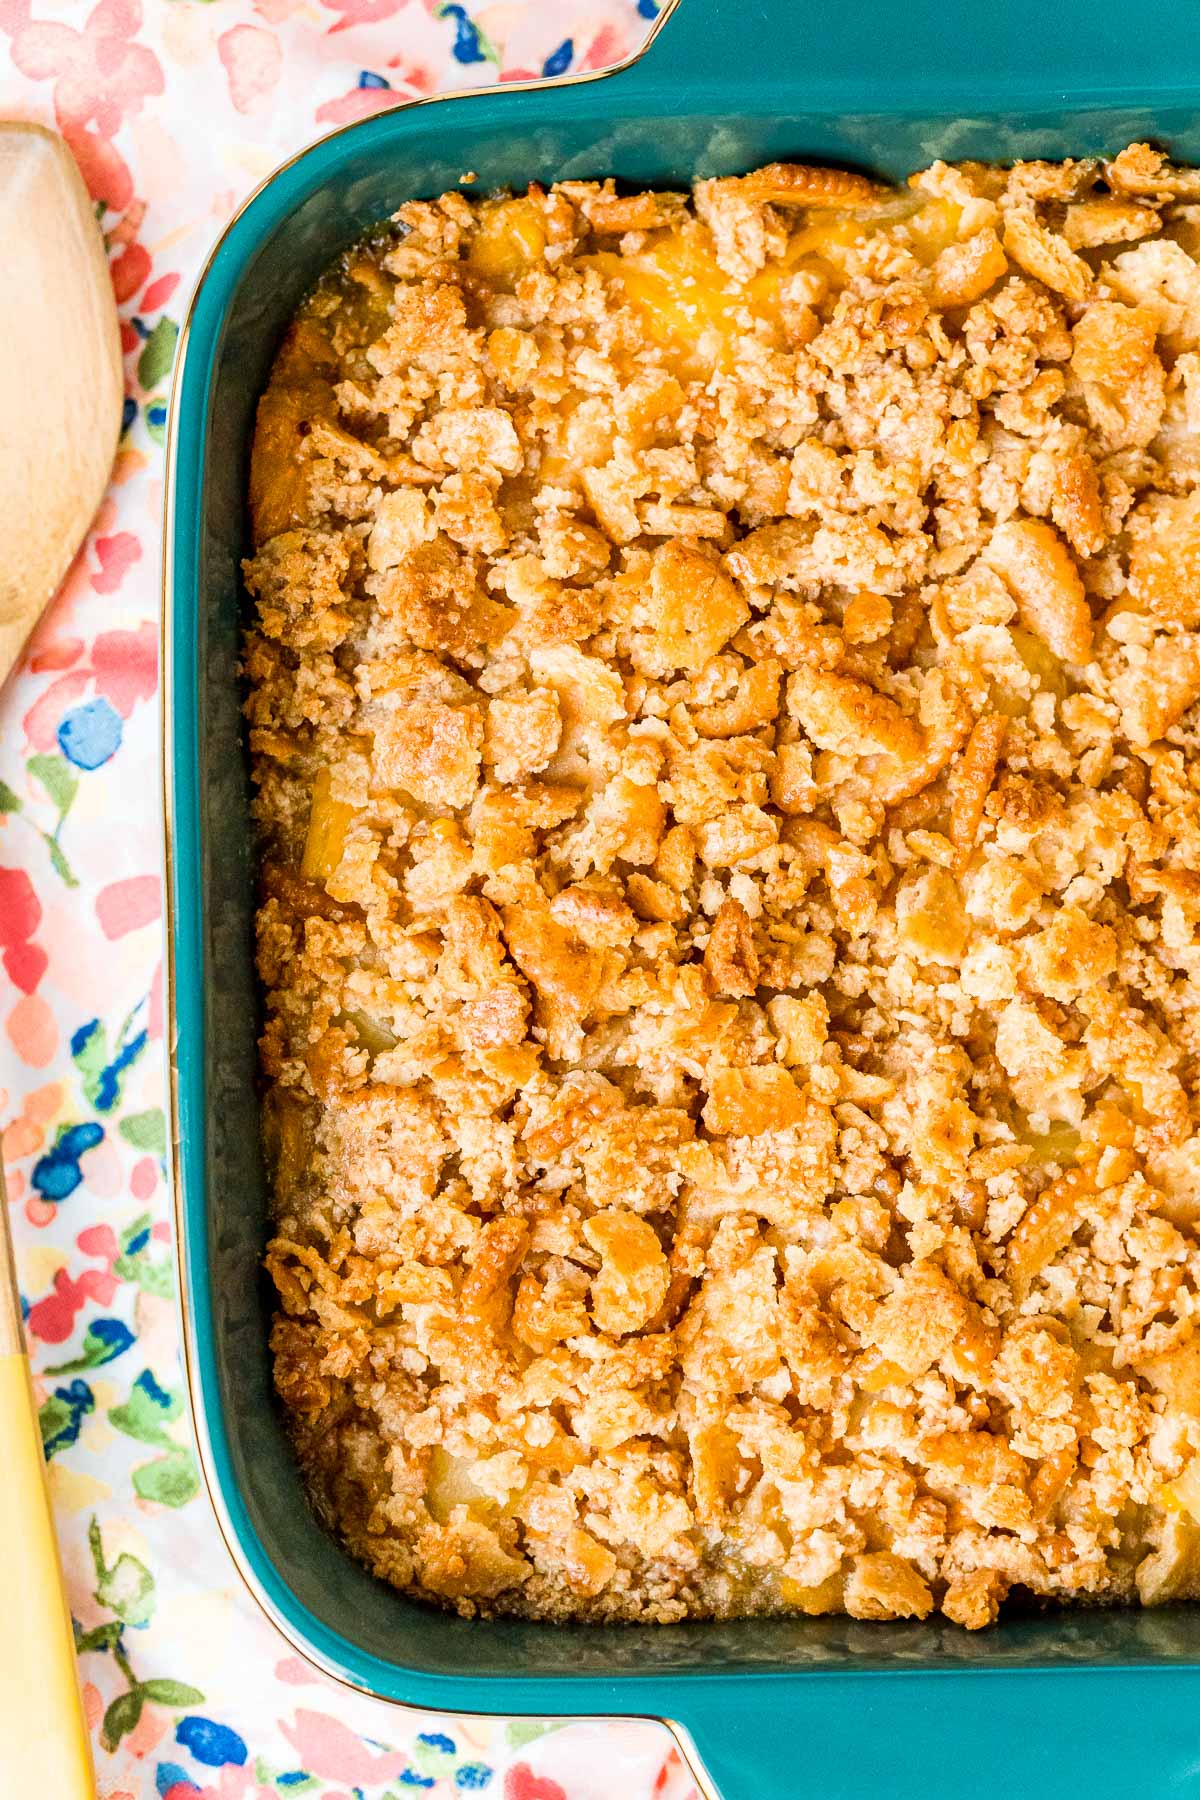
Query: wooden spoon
[
  {"x": 60, "y": 416},
  {"x": 61, "y": 385}
]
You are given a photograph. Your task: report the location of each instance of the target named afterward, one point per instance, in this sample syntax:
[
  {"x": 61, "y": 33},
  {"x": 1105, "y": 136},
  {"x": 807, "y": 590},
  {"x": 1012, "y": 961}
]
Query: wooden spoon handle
[
  {"x": 61, "y": 385},
  {"x": 43, "y": 1738}
]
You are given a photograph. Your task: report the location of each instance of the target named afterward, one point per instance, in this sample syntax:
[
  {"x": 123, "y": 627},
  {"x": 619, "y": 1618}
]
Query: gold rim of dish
[{"x": 249, "y": 1580}]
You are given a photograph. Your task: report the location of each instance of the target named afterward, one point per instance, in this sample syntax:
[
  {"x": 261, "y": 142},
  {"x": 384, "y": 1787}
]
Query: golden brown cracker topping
[{"x": 723, "y": 694}]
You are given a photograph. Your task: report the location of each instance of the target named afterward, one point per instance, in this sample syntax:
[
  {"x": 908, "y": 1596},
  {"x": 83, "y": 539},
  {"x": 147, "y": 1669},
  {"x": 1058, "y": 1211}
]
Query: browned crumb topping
[{"x": 723, "y": 701}]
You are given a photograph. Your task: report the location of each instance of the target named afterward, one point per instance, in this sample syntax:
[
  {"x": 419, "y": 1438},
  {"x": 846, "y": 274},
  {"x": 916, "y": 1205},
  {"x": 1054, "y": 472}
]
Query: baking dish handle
[
  {"x": 697, "y": 43},
  {"x": 747, "y": 1743},
  {"x": 1032, "y": 1733}
]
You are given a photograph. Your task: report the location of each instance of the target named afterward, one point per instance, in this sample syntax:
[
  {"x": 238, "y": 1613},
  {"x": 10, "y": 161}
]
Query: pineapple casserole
[{"x": 723, "y": 700}]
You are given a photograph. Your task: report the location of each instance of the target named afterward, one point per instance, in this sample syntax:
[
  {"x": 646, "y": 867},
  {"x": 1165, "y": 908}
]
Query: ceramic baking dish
[{"x": 1106, "y": 1702}]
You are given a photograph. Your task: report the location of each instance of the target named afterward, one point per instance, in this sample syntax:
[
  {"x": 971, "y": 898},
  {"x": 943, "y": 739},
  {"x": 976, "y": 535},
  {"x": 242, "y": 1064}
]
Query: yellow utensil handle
[{"x": 43, "y": 1741}]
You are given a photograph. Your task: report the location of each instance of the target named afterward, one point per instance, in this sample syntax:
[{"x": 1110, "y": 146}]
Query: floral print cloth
[{"x": 174, "y": 109}]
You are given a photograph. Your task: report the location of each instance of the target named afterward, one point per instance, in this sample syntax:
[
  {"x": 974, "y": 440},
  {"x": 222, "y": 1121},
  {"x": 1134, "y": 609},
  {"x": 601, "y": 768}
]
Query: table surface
[{"x": 189, "y": 1692}]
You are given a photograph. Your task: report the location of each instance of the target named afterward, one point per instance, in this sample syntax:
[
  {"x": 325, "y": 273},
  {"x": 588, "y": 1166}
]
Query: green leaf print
[
  {"x": 57, "y": 777},
  {"x": 171, "y": 1693},
  {"x": 100, "y": 1637},
  {"x": 146, "y": 1130},
  {"x": 519, "y": 1732},
  {"x": 60, "y": 865},
  {"x": 137, "y": 1233},
  {"x": 121, "y": 1717},
  {"x": 89, "y": 1053},
  {"x": 147, "y": 1412},
  {"x": 61, "y": 1416},
  {"x": 170, "y": 1480},
  {"x": 266, "y": 1776},
  {"x": 125, "y": 1587},
  {"x": 156, "y": 418},
  {"x": 154, "y": 1275},
  {"x": 158, "y": 353},
  {"x": 128, "y": 1590},
  {"x": 430, "y": 1758}
]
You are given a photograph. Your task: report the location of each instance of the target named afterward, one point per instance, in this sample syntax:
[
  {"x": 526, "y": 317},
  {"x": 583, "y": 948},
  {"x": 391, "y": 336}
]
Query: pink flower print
[
  {"x": 253, "y": 61},
  {"x": 331, "y": 1751},
  {"x": 276, "y": 11},
  {"x": 375, "y": 93},
  {"x": 101, "y": 1241},
  {"x": 359, "y": 103},
  {"x": 295, "y": 1671},
  {"x": 115, "y": 554},
  {"x": 41, "y": 721},
  {"x": 361, "y": 12},
  {"x": 101, "y": 79},
  {"x": 27, "y": 1132},
  {"x": 154, "y": 1024},
  {"x": 125, "y": 906},
  {"x": 143, "y": 1178},
  {"x": 126, "y": 665},
  {"x": 33, "y": 1034}
]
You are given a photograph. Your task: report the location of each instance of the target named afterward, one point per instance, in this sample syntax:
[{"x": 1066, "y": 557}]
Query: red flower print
[
  {"x": 608, "y": 46},
  {"x": 128, "y": 271},
  {"x": 52, "y": 1319},
  {"x": 159, "y": 292},
  {"x": 522, "y": 1784},
  {"x": 20, "y": 916},
  {"x": 57, "y": 653},
  {"x": 101, "y": 78}
]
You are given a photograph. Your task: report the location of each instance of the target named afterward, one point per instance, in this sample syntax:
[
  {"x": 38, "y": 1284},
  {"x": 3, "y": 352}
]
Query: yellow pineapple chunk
[
  {"x": 374, "y": 1037},
  {"x": 1058, "y": 1143},
  {"x": 287, "y": 1139},
  {"x": 935, "y": 228},
  {"x": 1184, "y": 1491},
  {"x": 825, "y": 1597},
  {"x": 328, "y": 823},
  {"x": 510, "y": 240},
  {"x": 449, "y": 1484},
  {"x": 1040, "y": 661}
]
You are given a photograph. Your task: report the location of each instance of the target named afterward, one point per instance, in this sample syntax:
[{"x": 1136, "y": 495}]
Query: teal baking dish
[{"x": 1107, "y": 1702}]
